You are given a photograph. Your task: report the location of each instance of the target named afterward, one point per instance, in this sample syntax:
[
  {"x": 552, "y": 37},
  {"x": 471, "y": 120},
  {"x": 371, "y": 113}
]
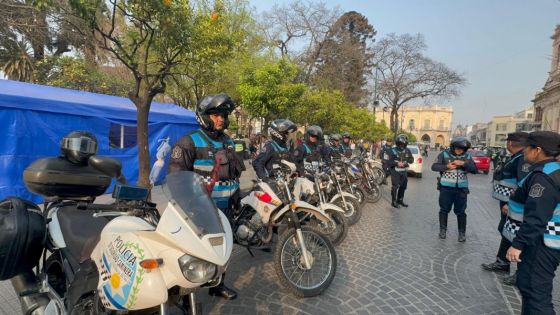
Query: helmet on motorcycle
[
  {"x": 459, "y": 143},
  {"x": 314, "y": 131},
  {"x": 214, "y": 104},
  {"x": 280, "y": 130},
  {"x": 401, "y": 140},
  {"x": 333, "y": 138},
  {"x": 78, "y": 146}
]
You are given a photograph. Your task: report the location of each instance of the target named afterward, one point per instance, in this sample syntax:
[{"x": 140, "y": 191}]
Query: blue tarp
[{"x": 34, "y": 118}]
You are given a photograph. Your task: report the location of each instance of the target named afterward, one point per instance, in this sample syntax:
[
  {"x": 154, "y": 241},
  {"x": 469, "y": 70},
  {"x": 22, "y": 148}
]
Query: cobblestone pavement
[{"x": 391, "y": 262}]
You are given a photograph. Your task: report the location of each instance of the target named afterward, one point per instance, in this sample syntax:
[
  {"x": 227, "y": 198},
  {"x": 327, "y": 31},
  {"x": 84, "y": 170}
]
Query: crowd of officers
[{"x": 526, "y": 186}]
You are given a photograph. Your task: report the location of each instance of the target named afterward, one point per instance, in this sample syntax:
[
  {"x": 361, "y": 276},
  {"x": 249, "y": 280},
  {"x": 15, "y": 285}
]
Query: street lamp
[{"x": 237, "y": 114}]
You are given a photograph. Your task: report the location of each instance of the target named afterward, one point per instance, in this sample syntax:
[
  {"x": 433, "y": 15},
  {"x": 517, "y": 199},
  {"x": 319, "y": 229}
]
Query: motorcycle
[
  {"x": 304, "y": 259},
  {"x": 357, "y": 172},
  {"x": 125, "y": 257},
  {"x": 331, "y": 187}
]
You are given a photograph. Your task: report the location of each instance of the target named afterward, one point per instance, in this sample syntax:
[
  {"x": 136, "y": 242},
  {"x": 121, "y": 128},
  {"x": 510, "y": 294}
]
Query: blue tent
[{"x": 34, "y": 118}]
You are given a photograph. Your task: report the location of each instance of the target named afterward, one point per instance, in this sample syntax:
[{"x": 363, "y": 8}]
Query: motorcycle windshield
[{"x": 187, "y": 193}]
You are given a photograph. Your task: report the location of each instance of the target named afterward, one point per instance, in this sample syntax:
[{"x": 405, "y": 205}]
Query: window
[
  {"x": 500, "y": 137},
  {"x": 501, "y": 127},
  {"x": 122, "y": 136},
  {"x": 413, "y": 150},
  {"x": 441, "y": 124},
  {"x": 427, "y": 124},
  {"x": 411, "y": 124},
  {"x": 530, "y": 116}
]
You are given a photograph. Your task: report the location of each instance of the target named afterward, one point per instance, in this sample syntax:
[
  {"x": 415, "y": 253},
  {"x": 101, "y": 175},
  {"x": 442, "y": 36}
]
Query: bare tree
[
  {"x": 299, "y": 29},
  {"x": 406, "y": 74}
]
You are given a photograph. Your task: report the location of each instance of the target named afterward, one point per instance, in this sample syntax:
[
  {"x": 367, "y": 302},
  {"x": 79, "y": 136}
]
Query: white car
[{"x": 416, "y": 167}]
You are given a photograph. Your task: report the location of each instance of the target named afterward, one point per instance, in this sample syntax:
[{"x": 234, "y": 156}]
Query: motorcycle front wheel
[
  {"x": 378, "y": 175},
  {"x": 335, "y": 232},
  {"x": 352, "y": 210},
  {"x": 291, "y": 268},
  {"x": 373, "y": 193},
  {"x": 360, "y": 194}
]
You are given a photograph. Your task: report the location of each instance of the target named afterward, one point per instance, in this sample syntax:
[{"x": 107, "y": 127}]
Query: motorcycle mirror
[{"x": 107, "y": 166}]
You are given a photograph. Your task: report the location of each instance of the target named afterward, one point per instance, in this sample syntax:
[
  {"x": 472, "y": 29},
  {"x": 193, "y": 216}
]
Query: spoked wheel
[
  {"x": 373, "y": 193},
  {"x": 361, "y": 195},
  {"x": 337, "y": 231},
  {"x": 352, "y": 210},
  {"x": 295, "y": 274},
  {"x": 378, "y": 175}
]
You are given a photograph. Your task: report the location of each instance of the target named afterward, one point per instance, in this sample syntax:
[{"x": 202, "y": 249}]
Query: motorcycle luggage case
[
  {"x": 58, "y": 177},
  {"x": 23, "y": 236}
]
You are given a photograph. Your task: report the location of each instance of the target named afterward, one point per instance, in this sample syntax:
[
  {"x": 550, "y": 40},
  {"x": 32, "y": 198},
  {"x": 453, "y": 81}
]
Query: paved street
[{"x": 392, "y": 262}]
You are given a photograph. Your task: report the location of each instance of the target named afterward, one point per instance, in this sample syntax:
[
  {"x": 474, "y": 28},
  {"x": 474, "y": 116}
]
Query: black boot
[
  {"x": 401, "y": 202},
  {"x": 223, "y": 291},
  {"x": 394, "y": 199},
  {"x": 462, "y": 224},
  {"x": 442, "y": 225}
]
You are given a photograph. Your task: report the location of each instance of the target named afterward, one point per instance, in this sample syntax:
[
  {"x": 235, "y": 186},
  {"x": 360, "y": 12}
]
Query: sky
[{"x": 502, "y": 47}]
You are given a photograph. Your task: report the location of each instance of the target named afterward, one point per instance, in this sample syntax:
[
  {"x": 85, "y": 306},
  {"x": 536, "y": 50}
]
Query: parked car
[
  {"x": 481, "y": 160},
  {"x": 416, "y": 167}
]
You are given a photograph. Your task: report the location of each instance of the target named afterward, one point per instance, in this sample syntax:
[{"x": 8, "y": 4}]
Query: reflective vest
[
  {"x": 312, "y": 160},
  {"x": 401, "y": 156},
  {"x": 516, "y": 211},
  {"x": 506, "y": 182},
  {"x": 456, "y": 178},
  {"x": 207, "y": 150}
]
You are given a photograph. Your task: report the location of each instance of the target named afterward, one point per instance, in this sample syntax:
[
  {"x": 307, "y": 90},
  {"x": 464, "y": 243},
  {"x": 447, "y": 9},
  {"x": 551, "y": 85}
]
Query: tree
[
  {"x": 269, "y": 91},
  {"x": 407, "y": 75},
  {"x": 15, "y": 58},
  {"x": 151, "y": 39},
  {"x": 345, "y": 59}
]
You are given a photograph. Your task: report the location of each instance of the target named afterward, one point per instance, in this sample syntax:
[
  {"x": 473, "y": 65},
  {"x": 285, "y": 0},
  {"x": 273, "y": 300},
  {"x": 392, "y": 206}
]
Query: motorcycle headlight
[{"x": 197, "y": 270}]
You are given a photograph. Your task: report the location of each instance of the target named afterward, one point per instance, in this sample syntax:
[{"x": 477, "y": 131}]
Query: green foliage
[
  {"x": 74, "y": 73},
  {"x": 15, "y": 58},
  {"x": 411, "y": 137},
  {"x": 269, "y": 91}
]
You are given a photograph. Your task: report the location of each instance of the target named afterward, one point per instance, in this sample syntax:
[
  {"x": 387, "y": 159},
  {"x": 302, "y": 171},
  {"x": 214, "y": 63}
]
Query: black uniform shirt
[
  {"x": 540, "y": 196},
  {"x": 267, "y": 157},
  {"x": 399, "y": 155}
]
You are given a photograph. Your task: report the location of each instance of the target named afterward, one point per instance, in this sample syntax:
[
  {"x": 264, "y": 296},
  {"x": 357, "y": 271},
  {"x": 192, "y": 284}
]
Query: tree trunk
[
  {"x": 142, "y": 111},
  {"x": 394, "y": 119}
]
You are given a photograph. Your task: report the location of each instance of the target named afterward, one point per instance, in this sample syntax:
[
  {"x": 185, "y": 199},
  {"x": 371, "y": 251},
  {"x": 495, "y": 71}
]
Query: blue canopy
[{"x": 34, "y": 118}]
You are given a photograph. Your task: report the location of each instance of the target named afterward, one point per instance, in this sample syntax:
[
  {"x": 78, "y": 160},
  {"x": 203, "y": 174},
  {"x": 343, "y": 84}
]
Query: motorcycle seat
[{"x": 81, "y": 230}]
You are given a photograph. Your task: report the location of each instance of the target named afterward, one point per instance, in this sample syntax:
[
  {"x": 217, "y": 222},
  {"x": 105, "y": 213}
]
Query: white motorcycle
[
  {"x": 304, "y": 259},
  {"x": 126, "y": 257}
]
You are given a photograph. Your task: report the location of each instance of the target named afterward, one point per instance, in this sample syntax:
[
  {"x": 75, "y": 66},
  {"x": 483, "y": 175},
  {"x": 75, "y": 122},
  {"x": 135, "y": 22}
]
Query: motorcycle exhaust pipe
[{"x": 26, "y": 286}]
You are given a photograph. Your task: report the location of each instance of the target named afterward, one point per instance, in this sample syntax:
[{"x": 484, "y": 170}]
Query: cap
[
  {"x": 548, "y": 140},
  {"x": 518, "y": 136}
]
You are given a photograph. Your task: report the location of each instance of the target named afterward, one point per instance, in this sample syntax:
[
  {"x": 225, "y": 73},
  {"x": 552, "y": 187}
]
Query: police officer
[
  {"x": 453, "y": 165},
  {"x": 506, "y": 179},
  {"x": 282, "y": 134},
  {"x": 384, "y": 154},
  {"x": 399, "y": 159},
  {"x": 332, "y": 153},
  {"x": 209, "y": 152},
  {"x": 308, "y": 154},
  {"x": 345, "y": 147},
  {"x": 536, "y": 242}
]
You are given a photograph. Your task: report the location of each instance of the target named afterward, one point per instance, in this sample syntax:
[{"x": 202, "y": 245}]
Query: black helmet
[
  {"x": 346, "y": 135},
  {"x": 334, "y": 137},
  {"x": 459, "y": 143},
  {"x": 280, "y": 130},
  {"x": 78, "y": 146},
  {"x": 401, "y": 139},
  {"x": 214, "y": 104},
  {"x": 315, "y": 131}
]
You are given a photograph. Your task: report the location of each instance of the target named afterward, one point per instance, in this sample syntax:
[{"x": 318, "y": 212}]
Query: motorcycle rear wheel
[{"x": 288, "y": 262}]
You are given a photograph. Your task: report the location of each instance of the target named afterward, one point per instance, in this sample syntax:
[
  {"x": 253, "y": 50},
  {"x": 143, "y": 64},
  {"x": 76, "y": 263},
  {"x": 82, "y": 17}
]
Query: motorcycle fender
[
  {"x": 123, "y": 283},
  {"x": 330, "y": 206},
  {"x": 305, "y": 207},
  {"x": 345, "y": 194}
]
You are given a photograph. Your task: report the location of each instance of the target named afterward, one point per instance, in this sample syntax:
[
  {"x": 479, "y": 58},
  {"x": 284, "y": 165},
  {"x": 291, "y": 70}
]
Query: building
[
  {"x": 430, "y": 124},
  {"x": 500, "y": 126},
  {"x": 460, "y": 131},
  {"x": 477, "y": 134},
  {"x": 547, "y": 101}
]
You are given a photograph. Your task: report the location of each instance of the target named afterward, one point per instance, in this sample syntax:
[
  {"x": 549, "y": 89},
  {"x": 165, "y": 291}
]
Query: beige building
[
  {"x": 547, "y": 101},
  {"x": 498, "y": 128},
  {"x": 430, "y": 124}
]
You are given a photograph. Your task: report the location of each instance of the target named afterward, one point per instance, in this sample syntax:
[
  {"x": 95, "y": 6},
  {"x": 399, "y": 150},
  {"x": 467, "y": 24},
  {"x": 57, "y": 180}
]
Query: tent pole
[{"x": 122, "y": 136}]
